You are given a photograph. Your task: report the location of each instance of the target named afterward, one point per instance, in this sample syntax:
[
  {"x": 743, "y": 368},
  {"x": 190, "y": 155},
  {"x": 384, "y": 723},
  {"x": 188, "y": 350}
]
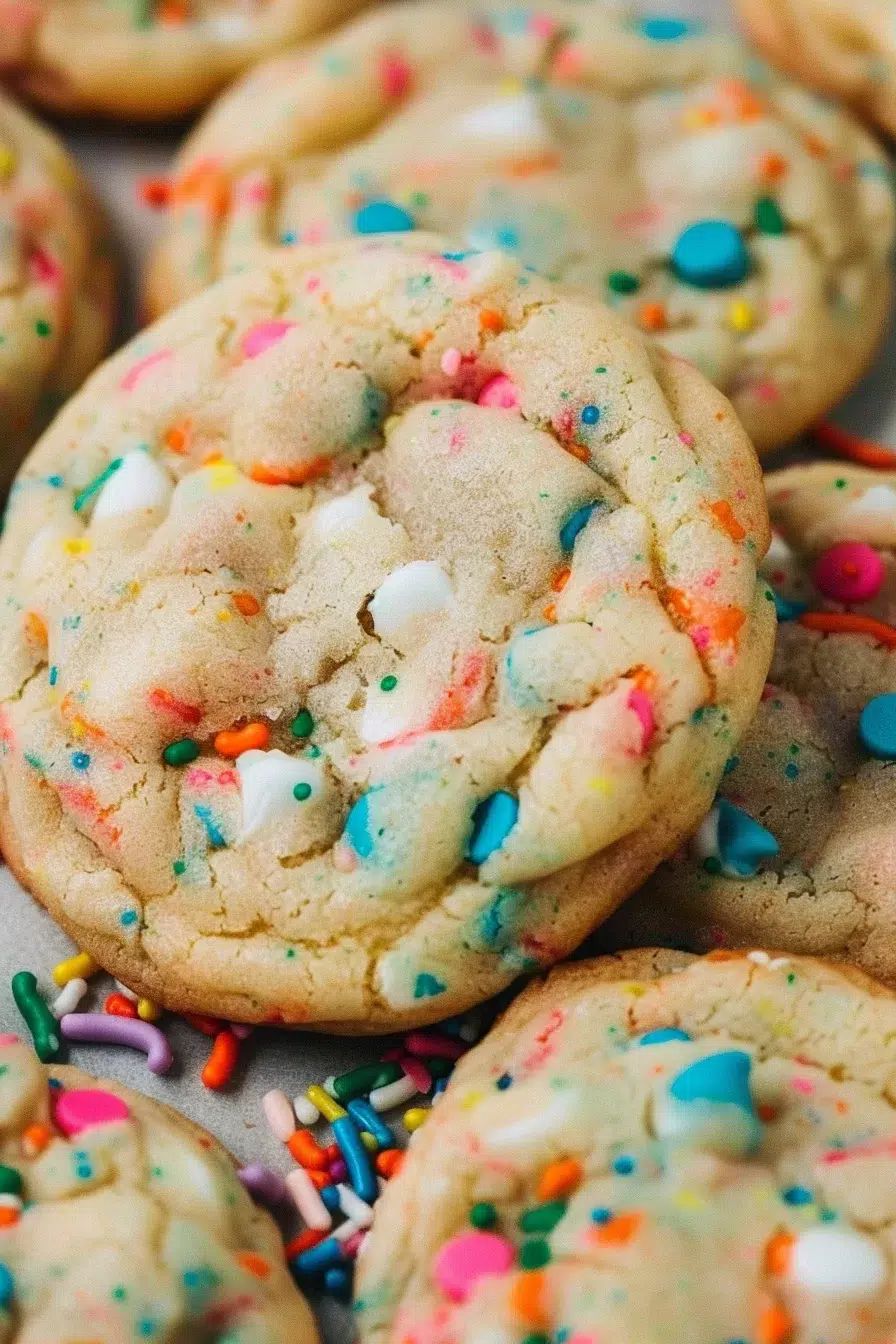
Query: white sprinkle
[
  {"x": 306, "y": 1197},
  {"x": 346, "y": 1230},
  {"x": 306, "y": 1111},
  {"x": 67, "y": 1001},
  {"x": 328, "y": 1086},
  {"x": 354, "y": 1207},
  {"x": 393, "y": 1094},
  {"x": 279, "y": 1114},
  {"x": 11, "y": 1202}
]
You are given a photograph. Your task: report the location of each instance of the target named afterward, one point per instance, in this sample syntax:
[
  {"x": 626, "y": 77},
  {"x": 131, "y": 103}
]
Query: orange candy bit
[
  {"x": 619, "y": 1231},
  {"x": 266, "y": 474},
  {"x": 577, "y": 450},
  {"x": 852, "y": 446},
  {"x": 560, "y": 579},
  {"x": 490, "y": 320},
  {"x": 772, "y": 167},
  {"x": 559, "y": 1179},
  {"x": 321, "y": 1179},
  {"x": 246, "y": 604},
  {"x": 303, "y": 1242},
  {"x": 389, "y": 1162},
  {"x": 234, "y": 741},
  {"x": 528, "y": 1298},
  {"x": 652, "y": 317},
  {"x": 154, "y": 192},
  {"x": 849, "y": 623},
  {"x": 119, "y": 1005},
  {"x": 205, "y": 184},
  {"x": 177, "y": 438},
  {"x": 775, "y": 1326},
  {"x": 8, "y": 1216},
  {"x": 306, "y": 1150},
  {"x": 35, "y": 628},
  {"x": 254, "y": 1263},
  {"x": 724, "y": 515},
  {"x": 222, "y": 1061},
  {"x": 778, "y": 1252},
  {"x": 35, "y": 1139}
]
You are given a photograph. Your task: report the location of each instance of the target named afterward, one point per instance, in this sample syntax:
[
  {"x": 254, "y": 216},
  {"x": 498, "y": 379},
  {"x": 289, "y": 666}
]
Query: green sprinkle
[
  {"x": 623, "y": 282},
  {"x": 10, "y": 1181},
  {"x": 536, "y": 1338},
  {"x": 42, "y": 327},
  {"x": 40, "y": 1021},
  {"x": 302, "y": 725},
  {"x": 535, "y": 1254},
  {"x": 362, "y": 1080},
  {"x": 388, "y": 683},
  {"x": 544, "y": 1217},
  {"x": 768, "y": 216},
  {"x": 301, "y": 792},
  {"x": 84, "y": 496},
  {"x": 181, "y": 752},
  {"x": 179, "y": 867},
  {"x": 483, "y": 1215}
]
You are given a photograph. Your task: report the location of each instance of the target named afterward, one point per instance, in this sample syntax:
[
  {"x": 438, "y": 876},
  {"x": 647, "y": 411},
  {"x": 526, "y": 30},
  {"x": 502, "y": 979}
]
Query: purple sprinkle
[
  {"x": 338, "y": 1170},
  {"x": 105, "y": 1029},
  {"x": 263, "y": 1184}
]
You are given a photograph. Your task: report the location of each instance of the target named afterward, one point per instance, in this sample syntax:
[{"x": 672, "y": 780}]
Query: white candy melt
[
  {"x": 879, "y": 499},
  {"x": 415, "y": 590},
  {"x": 268, "y": 779},
  {"x": 516, "y": 119},
  {"x": 705, "y": 843},
  {"x": 139, "y": 483},
  {"x": 838, "y": 1262},
  {"x": 343, "y": 514}
]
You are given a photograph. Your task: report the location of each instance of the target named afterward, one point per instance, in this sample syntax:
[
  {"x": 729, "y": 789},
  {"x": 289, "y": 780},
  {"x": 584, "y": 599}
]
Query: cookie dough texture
[
  {"x": 133, "y": 1228},
  {"x": 588, "y": 142},
  {"x": 759, "y": 1207},
  {"x": 845, "y": 48},
  {"x": 802, "y": 771},
  {"x": 451, "y": 583},
  {"x": 146, "y": 59},
  {"x": 56, "y": 282}
]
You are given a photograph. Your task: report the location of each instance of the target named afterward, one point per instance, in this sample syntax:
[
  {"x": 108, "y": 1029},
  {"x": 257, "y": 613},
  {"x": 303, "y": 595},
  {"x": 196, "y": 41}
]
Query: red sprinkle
[
  {"x": 119, "y": 1005},
  {"x": 434, "y": 1044},
  {"x": 222, "y": 1061}
]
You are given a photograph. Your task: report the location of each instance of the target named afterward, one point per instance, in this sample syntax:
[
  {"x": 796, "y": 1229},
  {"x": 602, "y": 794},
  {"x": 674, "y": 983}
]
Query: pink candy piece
[
  {"x": 262, "y": 336},
  {"x": 7, "y": 1038},
  {"x": 849, "y": 572},
  {"x": 641, "y": 705},
  {"x": 500, "y": 392},
  {"x": 468, "y": 1257},
  {"x": 87, "y": 1109}
]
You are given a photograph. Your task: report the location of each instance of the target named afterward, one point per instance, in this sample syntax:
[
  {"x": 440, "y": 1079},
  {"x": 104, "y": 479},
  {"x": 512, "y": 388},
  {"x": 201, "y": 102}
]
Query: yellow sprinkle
[
  {"x": 329, "y": 1109},
  {"x": 471, "y": 1099},
  {"x": 636, "y": 991},
  {"x": 414, "y": 1118},
  {"x": 80, "y": 967},
  {"x": 77, "y": 545},
  {"x": 509, "y": 86},
  {"x": 600, "y": 784},
  {"x": 221, "y": 475},
  {"x": 8, "y": 162},
  {"x": 78, "y": 728},
  {"x": 689, "y": 1199},
  {"x": 369, "y": 1142},
  {"x": 148, "y": 1011},
  {"x": 741, "y": 316},
  {"x": 223, "y": 615}
]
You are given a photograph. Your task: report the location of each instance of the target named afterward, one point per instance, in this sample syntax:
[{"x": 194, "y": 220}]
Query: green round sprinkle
[
  {"x": 483, "y": 1215},
  {"x": 534, "y": 1254},
  {"x": 536, "y": 1338},
  {"x": 544, "y": 1217},
  {"x": 388, "y": 683},
  {"x": 182, "y": 752},
  {"x": 302, "y": 724},
  {"x": 179, "y": 867},
  {"x": 623, "y": 282},
  {"x": 40, "y": 1021},
  {"x": 301, "y": 792},
  {"x": 769, "y": 218},
  {"x": 42, "y": 328},
  {"x": 10, "y": 1181}
]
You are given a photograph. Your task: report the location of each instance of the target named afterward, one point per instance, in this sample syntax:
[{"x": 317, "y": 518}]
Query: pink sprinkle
[
  {"x": 500, "y": 392},
  {"x": 849, "y": 572},
  {"x": 262, "y": 336},
  {"x": 255, "y": 191},
  {"x": 687, "y": 438},
  {"x": 434, "y": 1044},
  {"x": 468, "y": 1257},
  {"x": 88, "y": 1108},
  {"x": 641, "y": 705},
  {"x": 542, "y": 25},
  {"x": 485, "y": 37},
  {"x": 312, "y": 284},
  {"x": 568, "y": 62},
  {"x": 780, "y": 307},
  {"x": 136, "y": 371},
  {"x": 45, "y": 269},
  {"x": 396, "y": 75},
  {"x": 417, "y": 1071},
  {"x": 700, "y": 637},
  {"x": 803, "y": 1085},
  {"x": 767, "y": 391},
  {"x": 450, "y": 362},
  {"x": 7, "y": 1038}
]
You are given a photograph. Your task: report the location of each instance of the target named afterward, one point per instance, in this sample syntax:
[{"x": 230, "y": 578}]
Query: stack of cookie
[{"x": 406, "y": 604}]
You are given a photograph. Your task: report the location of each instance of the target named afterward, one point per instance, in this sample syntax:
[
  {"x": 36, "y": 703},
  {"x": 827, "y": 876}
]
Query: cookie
[
  {"x": 121, "y": 1221},
  {"x": 845, "y": 50},
  {"x": 373, "y": 625},
  {"x": 146, "y": 60},
  {"x": 654, "y": 1148},
  {"x": 740, "y": 222},
  {"x": 56, "y": 279},
  {"x": 800, "y": 845}
]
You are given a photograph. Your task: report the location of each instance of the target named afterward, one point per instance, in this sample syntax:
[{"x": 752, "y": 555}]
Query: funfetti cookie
[
  {"x": 743, "y": 224},
  {"x": 846, "y": 48},
  {"x": 146, "y": 60},
  {"x": 122, "y": 1221},
  {"x": 372, "y": 626},
  {"x": 654, "y": 1148},
  {"x": 56, "y": 282},
  {"x": 801, "y": 845}
]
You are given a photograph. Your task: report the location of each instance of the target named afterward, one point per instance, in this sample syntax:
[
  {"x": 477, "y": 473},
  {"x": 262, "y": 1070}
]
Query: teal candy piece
[
  {"x": 666, "y": 30},
  {"x": 383, "y": 217},
  {"x": 7, "y": 1287},
  {"x": 722, "y": 1079},
  {"x": 743, "y": 843},
  {"x": 357, "y": 827},
  {"x": 787, "y": 610},
  {"x": 711, "y": 254},
  {"x": 663, "y": 1034},
  {"x": 493, "y": 820},
  {"x": 574, "y": 524},
  {"x": 877, "y": 727}
]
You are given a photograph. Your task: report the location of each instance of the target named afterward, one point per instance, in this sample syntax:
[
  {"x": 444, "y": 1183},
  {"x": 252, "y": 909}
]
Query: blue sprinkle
[
  {"x": 787, "y": 610},
  {"x": 360, "y": 1172},
  {"x": 441, "y": 1084},
  {"x": 325, "y": 1255},
  {"x": 427, "y": 986},
  {"x": 288, "y": 239},
  {"x": 798, "y": 1194},
  {"x": 493, "y": 820},
  {"x": 590, "y": 415},
  {"x": 365, "y": 1117},
  {"x": 54, "y": 675},
  {"x": 7, "y": 1287},
  {"x": 666, "y": 30},
  {"x": 80, "y": 760},
  {"x": 792, "y": 770},
  {"x": 504, "y": 1082},
  {"x": 711, "y": 255},
  {"x": 338, "y": 1282},
  {"x": 743, "y": 843},
  {"x": 216, "y": 836},
  {"x": 731, "y": 764},
  {"x": 601, "y": 1216},
  {"x": 574, "y": 524},
  {"x": 330, "y": 1197},
  {"x": 357, "y": 827},
  {"x": 55, "y": 481},
  {"x": 663, "y": 1034},
  {"x": 383, "y": 217},
  {"x": 722, "y": 1078},
  {"x": 877, "y": 727},
  {"x": 129, "y": 917},
  {"x": 624, "y": 1166}
]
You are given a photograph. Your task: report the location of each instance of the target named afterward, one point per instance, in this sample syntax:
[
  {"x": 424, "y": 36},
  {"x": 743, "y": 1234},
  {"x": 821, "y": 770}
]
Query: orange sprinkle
[
  {"x": 723, "y": 954},
  {"x": 154, "y": 192},
  {"x": 35, "y": 1139},
  {"x": 421, "y": 341},
  {"x": 772, "y": 167},
  {"x": 235, "y": 741},
  {"x": 619, "y": 1231},
  {"x": 246, "y": 604},
  {"x": 560, "y": 579},
  {"x": 550, "y": 612},
  {"x": 816, "y": 146},
  {"x": 254, "y": 1263},
  {"x": 178, "y": 437},
  {"x": 528, "y": 1295},
  {"x": 205, "y": 185},
  {"x": 173, "y": 12},
  {"x": 577, "y": 450},
  {"x": 211, "y": 457},
  {"x": 766, "y": 1112},
  {"x": 490, "y": 320},
  {"x": 538, "y": 163},
  {"x": 162, "y": 699},
  {"x": 35, "y": 628},
  {"x": 851, "y": 446},
  {"x": 306, "y": 1150},
  {"x": 8, "y": 1216},
  {"x": 775, "y": 1326},
  {"x": 723, "y": 513},
  {"x": 559, "y": 1179},
  {"x": 389, "y": 1161},
  {"x": 300, "y": 474},
  {"x": 119, "y": 1005},
  {"x": 222, "y": 1061},
  {"x": 652, "y": 317},
  {"x": 849, "y": 623},
  {"x": 320, "y": 1178},
  {"x": 778, "y": 1251},
  {"x": 209, "y": 1026},
  {"x": 303, "y": 1242}
]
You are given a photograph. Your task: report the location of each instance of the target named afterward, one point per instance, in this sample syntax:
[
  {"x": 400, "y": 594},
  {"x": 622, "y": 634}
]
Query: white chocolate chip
[
  {"x": 408, "y": 595},
  {"x": 139, "y": 483},
  {"x": 513, "y": 120},
  {"x": 268, "y": 779},
  {"x": 838, "y": 1262},
  {"x": 341, "y": 515}
]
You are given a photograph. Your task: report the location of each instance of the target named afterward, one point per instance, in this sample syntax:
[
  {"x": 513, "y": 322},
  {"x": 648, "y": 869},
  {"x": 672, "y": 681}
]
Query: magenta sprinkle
[
  {"x": 417, "y": 1071},
  {"x": 104, "y": 1029},
  {"x": 338, "y": 1170},
  {"x": 434, "y": 1045},
  {"x": 263, "y": 1184},
  {"x": 352, "y": 1245}
]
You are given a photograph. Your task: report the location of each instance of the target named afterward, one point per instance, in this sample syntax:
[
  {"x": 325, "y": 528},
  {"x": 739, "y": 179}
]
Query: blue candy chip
[
  {"x": 7, "y": 1287},
  {"x": 720, "y": 1079},
  {"x": 711, "y": 254},
  {"x": 787, "y": 610},
  {"x": 666, "y": 30},
  {"x": 877, "y": 727},
  {"x": 662, "y": 1035},
  {"x": 493, "y": 820},
  {"x": 383, "y": 217},
  {"x": 743, "y": 843}
]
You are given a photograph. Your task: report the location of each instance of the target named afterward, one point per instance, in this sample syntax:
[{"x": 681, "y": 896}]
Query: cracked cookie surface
[
  {"x": 56, "y": 281},
  {"x": 372, "y": 626},
  {"x": 654, "y": 1147},
  {"x": 124, "y": 1221},
  {"x": 806, "y": 769},
  {"x": 742, "y": 223},
  {"x": 146, "y": 59}
]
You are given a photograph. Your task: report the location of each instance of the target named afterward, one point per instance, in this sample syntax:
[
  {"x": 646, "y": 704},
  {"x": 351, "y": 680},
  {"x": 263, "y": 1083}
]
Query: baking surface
[{"x": 116, "y": 160}]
